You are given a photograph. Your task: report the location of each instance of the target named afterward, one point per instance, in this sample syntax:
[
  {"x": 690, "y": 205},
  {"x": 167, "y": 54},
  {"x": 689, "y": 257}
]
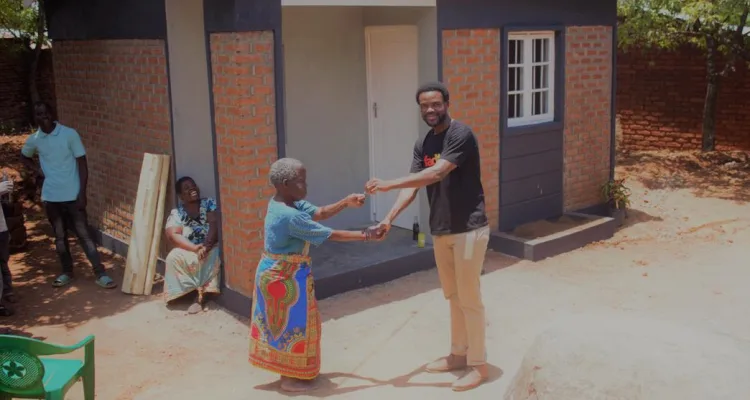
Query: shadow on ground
[
  {"x": 635, "y": 217},
  {"x": 327, "y": 387},
  {"x": 723, "y": 175},
  {"x": 34, "y": 270},
  {"x": 380, "y": 295}
]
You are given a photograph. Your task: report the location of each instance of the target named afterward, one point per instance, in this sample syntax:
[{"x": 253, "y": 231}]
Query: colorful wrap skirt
[
  {"x": 285, "y": 324},
  {"x": 186, "y": 273}
]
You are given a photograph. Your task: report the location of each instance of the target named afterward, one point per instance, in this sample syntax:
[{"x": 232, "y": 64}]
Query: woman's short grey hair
[{"x": 284, "y": 169}]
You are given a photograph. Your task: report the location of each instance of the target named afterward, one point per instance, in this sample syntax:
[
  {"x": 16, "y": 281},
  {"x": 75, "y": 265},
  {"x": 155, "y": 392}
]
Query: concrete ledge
[
  {"x": 598, "y": 228},
  {"x": 374, "y": 274},
  {"x": 234, "y": 301}
]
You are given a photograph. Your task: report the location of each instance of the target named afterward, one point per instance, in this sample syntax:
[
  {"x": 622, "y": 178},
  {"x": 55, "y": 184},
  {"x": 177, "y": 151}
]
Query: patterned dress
[
  {"x": 285, "y": 324},
  {"x": 186, "y": 273}
]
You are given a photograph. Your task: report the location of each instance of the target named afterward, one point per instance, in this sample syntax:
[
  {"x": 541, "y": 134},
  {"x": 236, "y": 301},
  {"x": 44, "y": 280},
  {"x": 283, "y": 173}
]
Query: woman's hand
[
  {"x": 355, "y": 200},
  {"x": 201, "y": 251},
  {"x": 376, "y": 232}
]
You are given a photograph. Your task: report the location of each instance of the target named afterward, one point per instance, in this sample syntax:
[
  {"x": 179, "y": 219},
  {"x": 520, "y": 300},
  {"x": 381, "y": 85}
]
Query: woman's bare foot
[
  {"x": 293, "y": 385},
  {"x": 195, "y": 308}
]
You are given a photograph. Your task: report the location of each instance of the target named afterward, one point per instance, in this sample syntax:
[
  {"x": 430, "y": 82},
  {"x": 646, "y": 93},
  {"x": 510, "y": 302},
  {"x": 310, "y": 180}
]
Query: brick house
[{"x": 228, "y": 86}]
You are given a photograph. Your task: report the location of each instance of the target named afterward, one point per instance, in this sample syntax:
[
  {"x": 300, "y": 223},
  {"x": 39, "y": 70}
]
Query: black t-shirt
[{"x": 456, "y": 202}]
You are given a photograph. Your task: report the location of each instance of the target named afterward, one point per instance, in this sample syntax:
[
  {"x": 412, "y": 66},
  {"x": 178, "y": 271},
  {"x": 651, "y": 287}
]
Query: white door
[{"x": 392, "y": 81}]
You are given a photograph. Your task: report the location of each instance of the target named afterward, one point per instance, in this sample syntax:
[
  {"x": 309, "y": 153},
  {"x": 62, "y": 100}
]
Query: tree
[
  {"x": 25, "y": 21},
  {"x": 716, "y": 26}
]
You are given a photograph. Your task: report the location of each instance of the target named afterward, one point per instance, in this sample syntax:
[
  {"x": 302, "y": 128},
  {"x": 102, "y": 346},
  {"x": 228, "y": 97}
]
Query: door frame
[{"x": 369, "y": 30}]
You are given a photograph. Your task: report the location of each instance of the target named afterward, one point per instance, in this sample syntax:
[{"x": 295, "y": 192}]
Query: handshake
[{"x": 376, "y": 232}]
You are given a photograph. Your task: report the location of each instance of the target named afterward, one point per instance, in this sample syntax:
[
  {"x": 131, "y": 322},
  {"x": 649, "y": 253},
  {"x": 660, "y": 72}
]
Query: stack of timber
[{"x": 145, "y": 236}]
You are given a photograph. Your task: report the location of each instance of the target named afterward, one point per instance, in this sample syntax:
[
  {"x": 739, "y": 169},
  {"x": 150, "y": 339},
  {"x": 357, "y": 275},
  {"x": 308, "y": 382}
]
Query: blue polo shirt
[{"x": 57, "y": 152}]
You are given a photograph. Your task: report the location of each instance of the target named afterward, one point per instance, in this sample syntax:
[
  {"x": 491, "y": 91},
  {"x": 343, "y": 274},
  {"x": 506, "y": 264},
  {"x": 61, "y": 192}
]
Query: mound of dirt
[
  {"x": 26, "y": 191},
  {"x": 724, "y": 175},
  {"x": 611, "y": 357}
]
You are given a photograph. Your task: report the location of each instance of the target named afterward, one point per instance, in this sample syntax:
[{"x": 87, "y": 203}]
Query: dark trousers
[
  {"x": 68, "y": 215},
  {"x": 4, "y": 269}
]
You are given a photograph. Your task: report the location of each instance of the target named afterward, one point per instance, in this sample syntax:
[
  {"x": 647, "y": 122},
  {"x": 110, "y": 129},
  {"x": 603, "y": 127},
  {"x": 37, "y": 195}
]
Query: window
[{"x": 531, "y": 78}]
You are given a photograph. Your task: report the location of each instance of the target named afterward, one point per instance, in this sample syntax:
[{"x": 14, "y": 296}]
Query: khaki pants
[{"x": 459, "y": 260}]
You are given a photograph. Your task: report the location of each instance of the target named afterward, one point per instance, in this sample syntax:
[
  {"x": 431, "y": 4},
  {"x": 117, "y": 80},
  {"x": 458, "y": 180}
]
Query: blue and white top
[
  {"x": 288, "y": 229},
  {"x": 193, "y": 229}
]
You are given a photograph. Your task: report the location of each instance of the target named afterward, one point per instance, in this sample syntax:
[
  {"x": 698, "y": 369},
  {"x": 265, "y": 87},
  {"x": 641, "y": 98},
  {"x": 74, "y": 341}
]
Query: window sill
[{"x": 534, "y": 128}]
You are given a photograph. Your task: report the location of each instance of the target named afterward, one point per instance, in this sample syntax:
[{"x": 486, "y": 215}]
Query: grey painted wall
[
  {"x": 191, "y": 108},
  {"x": 326, "y": 95},
  {"x": 326, "y": 99}
]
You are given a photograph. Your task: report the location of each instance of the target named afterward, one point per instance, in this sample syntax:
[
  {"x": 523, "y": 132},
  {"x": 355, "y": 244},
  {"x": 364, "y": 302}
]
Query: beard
[{"x": 440, "y": 118}]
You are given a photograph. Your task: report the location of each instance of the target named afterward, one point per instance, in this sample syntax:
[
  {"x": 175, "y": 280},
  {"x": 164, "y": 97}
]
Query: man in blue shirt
[{"x": 65, "y": 172}]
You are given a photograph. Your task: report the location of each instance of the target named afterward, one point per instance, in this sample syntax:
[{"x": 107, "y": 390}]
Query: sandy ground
[{"x": 681, "y": 259}]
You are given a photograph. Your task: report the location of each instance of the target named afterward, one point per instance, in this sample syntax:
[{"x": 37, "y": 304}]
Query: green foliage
[
  {"x": 671, "y": 23},
  {"x": 20, "y": 21},
  {"x": 616, "y": 194}
]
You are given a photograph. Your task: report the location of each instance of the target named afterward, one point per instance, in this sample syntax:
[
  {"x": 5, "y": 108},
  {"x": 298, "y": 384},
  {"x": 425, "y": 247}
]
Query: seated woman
[
  {"x": 193, "y": 229},
  {"x": 285, "y": 325}
]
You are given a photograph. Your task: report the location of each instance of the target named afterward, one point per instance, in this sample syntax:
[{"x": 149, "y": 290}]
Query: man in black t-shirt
[{"x": 446, "y": 162}]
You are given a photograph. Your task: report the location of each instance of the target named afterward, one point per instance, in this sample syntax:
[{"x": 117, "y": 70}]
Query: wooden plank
[
  {"x": 158, "y": 225},
  {"x": 141, "y": 233}
]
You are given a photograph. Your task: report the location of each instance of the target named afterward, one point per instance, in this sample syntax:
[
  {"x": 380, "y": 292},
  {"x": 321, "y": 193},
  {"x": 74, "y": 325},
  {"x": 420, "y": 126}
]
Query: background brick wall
[
  {"x": 471, "y": 70},
  {"x": 660, "y": 97},
  {"x": 242, "y": 67},
  {"x": 588, "y": 102},
  {"x": 15, "y": 110},
  {"x": 115, "y": 94}
]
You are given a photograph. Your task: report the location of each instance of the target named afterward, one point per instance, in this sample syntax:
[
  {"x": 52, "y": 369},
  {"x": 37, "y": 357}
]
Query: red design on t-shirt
[{"x": 430, "y": 161}]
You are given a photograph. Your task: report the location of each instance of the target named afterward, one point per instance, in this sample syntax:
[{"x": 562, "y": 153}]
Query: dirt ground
[
  {"x": 681, "y": 258},
  {"x": 540, "y": 229}
]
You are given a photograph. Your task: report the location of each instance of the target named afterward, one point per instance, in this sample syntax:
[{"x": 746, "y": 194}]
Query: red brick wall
[
  {"x": 471, "y": 70},
  {"x": 242, "y": 66},
  {"x": 15, "y": 110},
  {"x": 660, "y": 97},
  {"x": 115, "y": 94},
  {"x": 588, "y": 102}
]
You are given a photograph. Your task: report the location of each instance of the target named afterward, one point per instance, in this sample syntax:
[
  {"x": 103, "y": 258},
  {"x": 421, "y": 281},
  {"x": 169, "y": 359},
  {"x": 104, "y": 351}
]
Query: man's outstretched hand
[{"x": 375, "y": 185}]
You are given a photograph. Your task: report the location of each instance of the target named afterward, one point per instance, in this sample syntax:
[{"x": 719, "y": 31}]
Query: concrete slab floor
[{"x": 338, "y": 257}]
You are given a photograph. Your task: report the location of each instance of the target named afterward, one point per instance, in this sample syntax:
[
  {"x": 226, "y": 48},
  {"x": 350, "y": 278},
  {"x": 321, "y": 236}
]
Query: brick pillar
[
  {"x": 115, "y": 94},
  {"x": 588, "y": 113},
  {"x": 242, "y": 67},
  {"x": 471, "y": 70}
]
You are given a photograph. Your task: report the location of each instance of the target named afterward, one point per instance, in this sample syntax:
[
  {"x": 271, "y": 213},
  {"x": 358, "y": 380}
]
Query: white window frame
[{"x": 527, "y": 38}]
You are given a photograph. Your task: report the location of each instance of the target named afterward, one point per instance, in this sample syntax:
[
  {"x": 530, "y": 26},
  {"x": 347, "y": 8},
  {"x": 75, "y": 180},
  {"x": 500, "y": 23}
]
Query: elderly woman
[
  {"x": 285, "y": 325},
  {"x": 193, "y": 230}
]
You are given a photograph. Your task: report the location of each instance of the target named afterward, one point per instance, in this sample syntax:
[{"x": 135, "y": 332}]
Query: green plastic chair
[{"x": 26, "y": 375}]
